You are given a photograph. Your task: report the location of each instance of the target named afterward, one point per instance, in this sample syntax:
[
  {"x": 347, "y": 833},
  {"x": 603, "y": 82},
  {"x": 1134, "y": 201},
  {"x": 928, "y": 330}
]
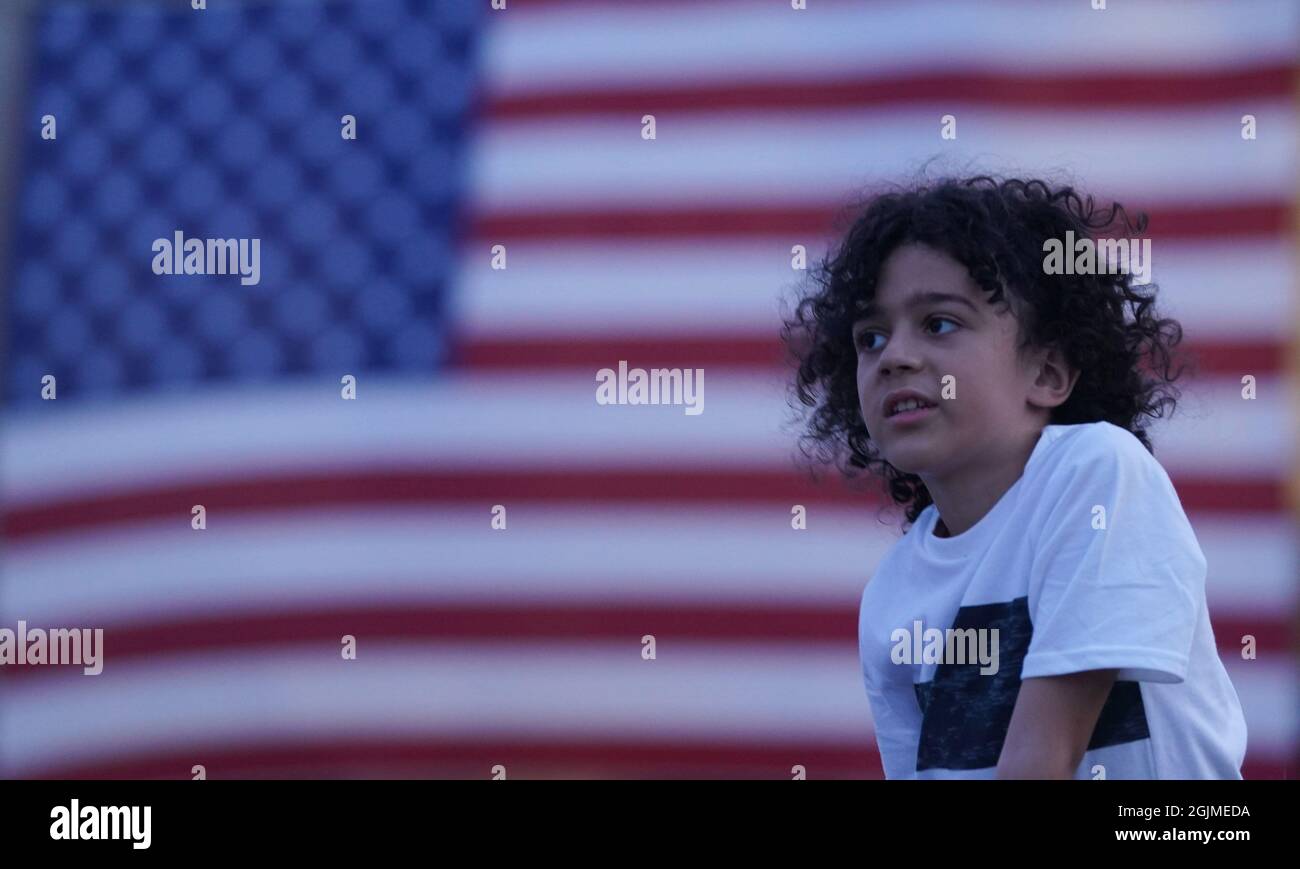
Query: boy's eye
[
  {"x": 940, "y": 320},
  {"x": 864, "y": 337}
]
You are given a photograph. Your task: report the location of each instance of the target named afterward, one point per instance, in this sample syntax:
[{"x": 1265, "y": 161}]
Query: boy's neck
[{"x": 963, "y": 500}]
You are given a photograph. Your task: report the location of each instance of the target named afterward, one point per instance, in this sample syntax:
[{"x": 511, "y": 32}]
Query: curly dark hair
[{"x": 996, "y": 228}]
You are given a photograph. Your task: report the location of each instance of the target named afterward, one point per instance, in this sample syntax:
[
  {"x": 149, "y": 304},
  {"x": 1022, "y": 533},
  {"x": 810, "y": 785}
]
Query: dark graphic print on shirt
[{"x": 965, "y": 715}]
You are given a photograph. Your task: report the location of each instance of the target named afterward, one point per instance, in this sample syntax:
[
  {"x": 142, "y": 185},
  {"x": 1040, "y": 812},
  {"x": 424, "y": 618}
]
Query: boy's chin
[{"x": 909, "y": 459}]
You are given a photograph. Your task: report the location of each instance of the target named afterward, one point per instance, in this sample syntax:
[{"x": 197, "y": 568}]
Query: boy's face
[{"x": 908, "y": 341}]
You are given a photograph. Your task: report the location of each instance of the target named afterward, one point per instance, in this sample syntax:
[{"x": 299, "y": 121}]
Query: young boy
[{"x": 1044, "y": 615}]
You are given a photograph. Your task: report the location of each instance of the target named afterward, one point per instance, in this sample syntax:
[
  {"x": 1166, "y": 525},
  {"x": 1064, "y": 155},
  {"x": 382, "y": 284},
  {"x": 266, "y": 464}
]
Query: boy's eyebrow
[{"x": 930, "y": 297}]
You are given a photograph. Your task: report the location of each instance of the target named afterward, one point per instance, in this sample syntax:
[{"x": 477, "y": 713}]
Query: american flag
[{"x": 524, "y": 651}]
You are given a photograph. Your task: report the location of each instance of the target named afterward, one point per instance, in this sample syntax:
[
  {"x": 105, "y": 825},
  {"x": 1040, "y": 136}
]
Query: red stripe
[
  {"x": 1224, "y": 221},
  {"x": 1226, "y": 357},
  {"x": 522, "y": 759},
  {"x": 1236, "y": 494},
  {"x": 474, "y": 759},
  {"x": 524, "y": 352},
  {"x": 1130, "y": 89},
  {"x": 458, "y": 623}
]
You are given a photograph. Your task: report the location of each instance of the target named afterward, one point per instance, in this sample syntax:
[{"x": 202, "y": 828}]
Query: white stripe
[
  {"x": 1269, "y": 698},
  {"x": 783, "y": 692},
  {"x": 817, "y": 157},
  {"x": 1200, "y": 284},
  {"x": 406, "y": 690},
  {"x": 523, "y": 421},
  {"x": 619, "y": 45},
  {"x": 735, "y": 287},
  {"x": 1250, "y": 564},
  {"x": 548, "y": 554},
  {"x": 1213, "y": 432}
]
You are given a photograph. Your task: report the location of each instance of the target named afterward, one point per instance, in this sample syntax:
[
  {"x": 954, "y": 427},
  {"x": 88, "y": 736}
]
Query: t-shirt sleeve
[{"x": 1117, "y": 577}]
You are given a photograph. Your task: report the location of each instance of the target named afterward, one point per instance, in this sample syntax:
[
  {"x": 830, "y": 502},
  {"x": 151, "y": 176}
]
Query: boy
[{"x": 1044, "y": 615}]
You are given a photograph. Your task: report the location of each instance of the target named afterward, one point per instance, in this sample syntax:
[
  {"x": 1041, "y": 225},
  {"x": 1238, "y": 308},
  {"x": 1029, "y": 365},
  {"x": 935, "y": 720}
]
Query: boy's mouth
[
  {"x": 914, "y": 414},
  {"x": 901, "y": 402}
]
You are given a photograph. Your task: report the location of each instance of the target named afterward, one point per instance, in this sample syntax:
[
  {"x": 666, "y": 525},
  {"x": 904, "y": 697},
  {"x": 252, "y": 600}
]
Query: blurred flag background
[{"x": 475, "y": 387}]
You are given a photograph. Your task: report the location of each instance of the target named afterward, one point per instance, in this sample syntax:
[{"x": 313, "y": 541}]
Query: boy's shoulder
[
  {"x": 1090, "y": 440},
  {"x": 1097, "y": 451},
  {"x": 1094, "y": 447}
]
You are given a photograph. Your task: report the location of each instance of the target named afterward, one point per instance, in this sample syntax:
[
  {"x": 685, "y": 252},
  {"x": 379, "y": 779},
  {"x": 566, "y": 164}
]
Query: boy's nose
[{"x": 896, "y": 355}]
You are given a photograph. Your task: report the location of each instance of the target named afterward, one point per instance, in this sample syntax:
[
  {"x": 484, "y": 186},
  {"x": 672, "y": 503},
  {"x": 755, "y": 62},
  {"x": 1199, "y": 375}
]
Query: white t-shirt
[{"x": 1087, "y": 562}]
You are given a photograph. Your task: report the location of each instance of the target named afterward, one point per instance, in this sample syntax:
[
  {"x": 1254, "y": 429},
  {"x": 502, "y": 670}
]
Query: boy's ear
[{"x": 1054, "y": 380}]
